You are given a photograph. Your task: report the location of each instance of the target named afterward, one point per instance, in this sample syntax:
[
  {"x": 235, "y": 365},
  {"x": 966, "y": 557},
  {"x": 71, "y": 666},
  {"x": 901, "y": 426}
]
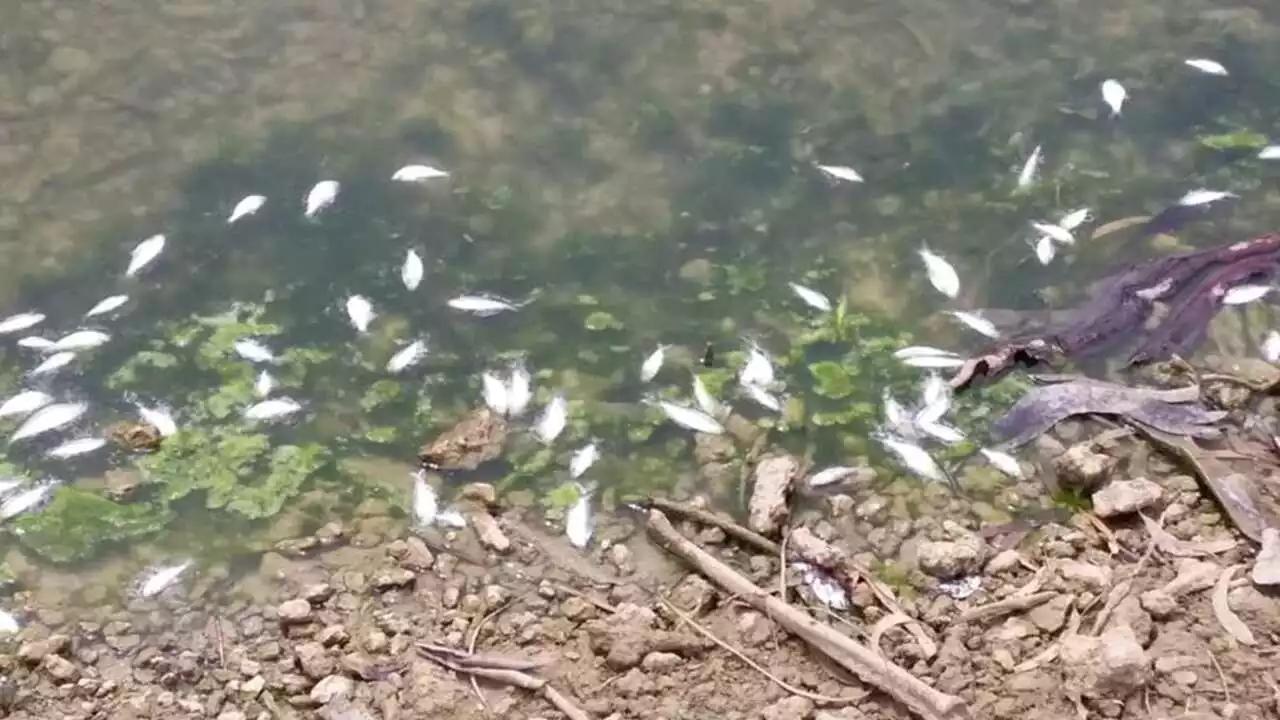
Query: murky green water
[{"x": 646, "y": 173}]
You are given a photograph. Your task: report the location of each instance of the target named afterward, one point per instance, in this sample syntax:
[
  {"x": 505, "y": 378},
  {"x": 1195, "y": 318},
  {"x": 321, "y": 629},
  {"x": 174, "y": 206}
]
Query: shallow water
[{"x": 646, "y": 175}]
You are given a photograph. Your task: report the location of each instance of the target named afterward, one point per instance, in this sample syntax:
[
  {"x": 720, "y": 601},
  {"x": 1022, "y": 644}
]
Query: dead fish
[
  {"x": 407, "y": 356},
  {"x": 24, "y": 403},
  {"x": 1002, "y": 461},
  {"x": 1074, "y": 219},
  {"x": 53, "y": 363},
  {"x": 254, "y": 351},
  {"x": 1243, "y": 294},
  {"x": 934, "y": 362},
  {"x": 264, "y": 384},
  {"x": 553, "y": 419},
  {"x": 80, "y": 340},
  {"x": 484, "y": 305},
  {"x": 494, "y": 392},
  {"x": 583, "y": 458},
  {"x": 1203, "y": 196},
  {"x": 1270, "y": 350},
  {"x": 1204, "y": 65},
  {"x": 8, "y": 623},
  {"x": 144, "y": 254},
  {"x": 811, "y": 297},
  {"x": 914, "y": 458},
  {"x": 705, "y": 399},
  {"x": 49, "y": 418},
  {"x": 841, "y": 172},
  {"x": 77, "y": 447},
  {"x": 451, "y": 519},
  {"x": 1029, "y": 168},
  {"x": 248, "y": 205},
  {"x": 417, "y": 173},
  {"x": 519, "y": 389},
  {"x": 941, "y": 274},
  {"x": 1270, "y": 152},
  {"x": 895, "y": 414},
  {"x": 426, "y": 503},
  {"x": 273, "y": 409},
  {"x": 688, "y": 418},
  {"x": 915, "y": 351},
  {"x": 21, "y": 321},
  {"x": 157, "y": 580},
  {"x": 1045, "y": 249},
  {"x": 940, "y": 431},
  {"x": 321, "y": 196},
  {"x": 159, "y": 418},
  {"x": 577, "y": 522},
  {"x": 652, "y": 364},
  {"x": 975, "y": 322},
  {"x": 830, "y": 476},
  {"x": 33, "y": 342},
  {"x": 26, "y": 500},
  {"x": 106, "y": 305},
  {"x": 1060, "y": 234},
  {"x": 1114, "y": 95},
  {"x": 360, "y": 312},
  {"x": 758, "y": 370},
  {"x": 763, "y": 397},
  {"x": 411, "y": 271}
]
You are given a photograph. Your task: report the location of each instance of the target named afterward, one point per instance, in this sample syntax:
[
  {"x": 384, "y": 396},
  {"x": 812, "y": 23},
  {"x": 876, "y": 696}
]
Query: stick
[
  {"x": 730, "y": 528},
  {"x": 867, "y": 665},
  {"x": 520, "y": 680},
  {"x": 1006, "y": 606}
]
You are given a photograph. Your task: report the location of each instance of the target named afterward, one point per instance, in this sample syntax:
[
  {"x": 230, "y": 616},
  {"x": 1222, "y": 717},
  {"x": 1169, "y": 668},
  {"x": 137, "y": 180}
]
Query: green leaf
[
  {"x": 833, "y": 381},
  {"x": 77, "y": 523},
  {"x": 601, "y": 320},
  {"x": 1239, "y": 140}
]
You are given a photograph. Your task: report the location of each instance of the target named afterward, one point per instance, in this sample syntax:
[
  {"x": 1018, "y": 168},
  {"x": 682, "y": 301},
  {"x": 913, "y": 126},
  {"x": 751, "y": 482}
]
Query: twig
[
  {"x": 1226, "y": 691},
  {"x": 518, "y": 679},
  {"x": 600, "y": 604},
  {"x": 730, "y": 528},
  {"x": 217, "y": 633},
  {"x": 475, "y": 635},
  {"x": 863, "y": 662},
  {"x": 750, "y": 663},
  {"x": 1006, "y": 606}
]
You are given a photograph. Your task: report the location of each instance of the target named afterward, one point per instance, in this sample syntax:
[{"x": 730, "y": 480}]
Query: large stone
[
  {"x": 1110, "y": 666},
  {"x": 294, "y": 611},
  {"x": 1123, "y": 497}
]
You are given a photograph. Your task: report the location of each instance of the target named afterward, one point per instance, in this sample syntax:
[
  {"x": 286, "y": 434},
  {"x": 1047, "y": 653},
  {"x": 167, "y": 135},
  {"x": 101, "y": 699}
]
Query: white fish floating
[
  {"x": 830, "y": 476},
  {"x": 1270, "y": 152},
  {"x": 1045, "y": 249},
  {"x": 49, "y": 418},
  {"x": 1002, "y": 461},
  {"x": 247, "y": 206},
  {"x": 933, "y": 362},
  {"x": 811, "y": 297},
  {"x": 975, "y": 322},
  {"x": 1029, "y": 169},
  {"x": 1114, "y": 95},
  {"x": 321, "y": 196},
  {"x": 915, "y": 351},
  {"x": 107, "y": 305},
  {"x": 418, "y": 173},
  {"x": 426, "y": 503},
  {"x": 577, "y": 522},
  {"x": 264, "y": 384},
  {"x": 8, "y": 623},
  {"x": 360, "y": 312},
  {"x": 77, "y": 447},
  {"x": 1075, "y": 219},
  {"x": 758, "y": 370},
  {"x": 763, "y": 398},
  {"x": 494, "y": 392},
  {"x": 1205, "y": 65},
  {"x": 939, "y": 431},
  {"x": 484, "y": 305},
  {"x": 144, "y": 254},
  {"x": 273, "y": 409},
  {"x": 583, "y": 458},
  {"x": 160, "y": 418},
  {"x": 35, "y": 342},
  {"x": 553, "y": 419},
  {"x": 53, "y": 363},
  {"x": 26, "y": 500},
  {"x": 9, "y": 484},
  {"x": 160, "y": 579},
  {"x": 451, "y": 519},
  {"x": 81, "y": 340},
  {"x": 1243, "y": 294},
  {"x": 914, "y": 458},
  {"x": 519, "y": 389},
  {"x": 841, "y": 172},
  {"x": 689, "y": 418},
  {"x": 895, "y": 415},
  {"x": 254, "y": 351},
  {"x": 411, "y": 271},
  {"x": 1060, "y": 234},
  {"x": 407, "y": 356},
  {"x": 706, "y": 401},
  {"x": 1271, "y": 347},
  {"x": 24, "y": 403},
  {"x": 1202, "y": 196},
  {"x": 942, "y": 275},
  {"x": 21, "y": 321},
  {"x": 652, "y": 364}
]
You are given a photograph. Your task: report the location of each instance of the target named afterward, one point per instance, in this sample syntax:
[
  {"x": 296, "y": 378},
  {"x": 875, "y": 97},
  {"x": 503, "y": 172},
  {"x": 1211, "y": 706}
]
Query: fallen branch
[
  {"x": 477, "y": 669},
  {"x": 1006, "y": 606},
  {"x": 730, "y": 528},
  {"x": 866, "y": 664}
]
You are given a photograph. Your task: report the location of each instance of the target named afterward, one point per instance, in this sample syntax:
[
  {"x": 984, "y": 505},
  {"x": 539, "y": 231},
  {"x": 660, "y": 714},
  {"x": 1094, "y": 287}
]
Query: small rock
[
  {"x": 488, "y": 532},
  {"x": 1051, "y": 616},
  {"x": 1003, "y": 561},
  {"x": 949, "y": 560},
  {"x": 1159, "y": 603},
  {"x": 253, "y": 686},
  {"x": 417, "y": 555},
  {"x": 1094, "y": 576},
  {"x": 483, "y": 493},
  {"x": 789, "y": 708},
  {"x": 1112, "y": 665},
  {"x": 314, "y": 662},
  {"x": 294, "y": 611},
  {"x": 318, "y": 594},
  {"x": 333, "y": 635},
  {"x": 393, "y": 579},
  {"x": 660, "y": 661},
  {"x": 60, "y": 668},
  {"x": 331, "y": 688},
  {"x": 1123, "y": 497},
  {"x": 1083, "y": 468},
  {"x": 1266, "y": 568}
]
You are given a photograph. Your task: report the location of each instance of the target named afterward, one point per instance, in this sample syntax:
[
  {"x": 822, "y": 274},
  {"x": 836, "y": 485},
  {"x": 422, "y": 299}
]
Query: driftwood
[
  {"x": 862, "y": 661},
  {"x": 1191, "y": 284}
]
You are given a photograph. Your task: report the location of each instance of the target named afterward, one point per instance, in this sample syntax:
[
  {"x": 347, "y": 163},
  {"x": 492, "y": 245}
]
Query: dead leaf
[{"x": 1222, "y": 609}]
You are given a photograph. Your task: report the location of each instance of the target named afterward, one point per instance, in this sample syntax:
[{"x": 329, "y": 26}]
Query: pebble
[
  {"x": 949, "y": 560},
  {"x": 294, "y": 611},
  {"x": 1124, "y": 497},
  {"x": 330, "y": 688},
  {"x": 1266, "y": 568},
  {"x": 1083, "y": 468}
]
